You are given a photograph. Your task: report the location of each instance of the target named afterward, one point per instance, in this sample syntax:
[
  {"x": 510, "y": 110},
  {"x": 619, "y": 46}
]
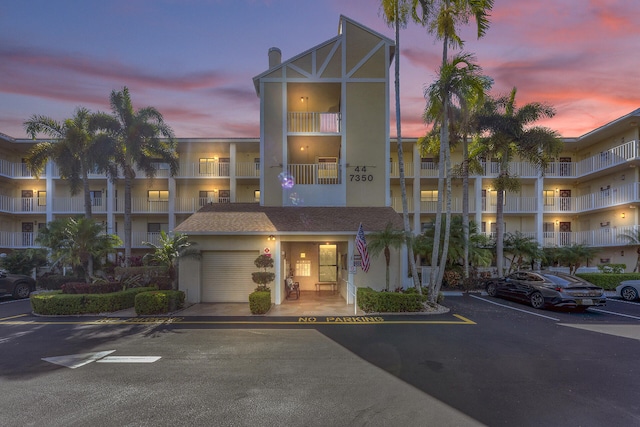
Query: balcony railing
[
  {"x": 314, "y": 174},
  {"x": 395, "y": 170},
  {"x": 16, "y": 170},
  {"x": 312, "y": 122},
  {"x": 601, "y": 237}
]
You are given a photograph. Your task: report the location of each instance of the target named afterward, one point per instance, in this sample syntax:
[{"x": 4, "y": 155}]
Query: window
[
  {"x": 428, "y": 195},
  {"x": 548, "y": 196},
  {"x": 156, "y": 227},
  {"x": 256, "y": 195},
  {"x": 96, "y": 198},
  {"x": 42, "y": 198},
  {"x": 257, "y": 162},
  {"x": 328, "y": 262},
  {"x": 224, "y": 196},
  {"x": 303, "y": 267},
  {"x": 158, "y": 195},
  {"x": 548, "y": 227},
  {"x": 207, "y": 165}
]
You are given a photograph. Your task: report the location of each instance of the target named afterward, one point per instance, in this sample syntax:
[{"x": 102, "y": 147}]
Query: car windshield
[{"x": 562, "y": 281}]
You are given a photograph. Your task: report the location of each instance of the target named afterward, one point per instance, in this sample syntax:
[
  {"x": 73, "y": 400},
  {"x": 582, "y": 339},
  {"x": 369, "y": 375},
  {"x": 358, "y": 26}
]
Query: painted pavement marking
[
  {"x": 74, "y": 361},
  {"x": 516, "y": 309}
]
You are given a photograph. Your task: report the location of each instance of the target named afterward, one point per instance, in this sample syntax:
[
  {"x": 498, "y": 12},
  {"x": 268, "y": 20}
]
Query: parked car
[
  {"x": 547, "y": 288},
  {"x": 629, "y": 290},
  {"x": 18, "y": 285}
]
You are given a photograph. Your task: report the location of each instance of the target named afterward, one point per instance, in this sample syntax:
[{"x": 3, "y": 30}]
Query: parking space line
[
  {"x": 516, "y": 309},
  {"x": 615, "y": 314},
  {"x": 13, "y": 317},
  {"x": 622, "y": 301}
]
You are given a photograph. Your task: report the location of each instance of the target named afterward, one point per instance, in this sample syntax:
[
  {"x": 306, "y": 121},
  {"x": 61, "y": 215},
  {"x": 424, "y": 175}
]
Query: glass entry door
[{"x": 328, "y": 261}]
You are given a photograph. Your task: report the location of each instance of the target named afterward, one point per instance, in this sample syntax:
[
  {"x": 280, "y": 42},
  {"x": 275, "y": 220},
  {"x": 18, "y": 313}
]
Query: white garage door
[{"x": 226, "y": 275}]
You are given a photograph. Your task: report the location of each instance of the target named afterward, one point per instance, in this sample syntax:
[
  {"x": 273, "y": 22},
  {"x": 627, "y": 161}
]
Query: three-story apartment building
[{"x": 323, "y": 164}]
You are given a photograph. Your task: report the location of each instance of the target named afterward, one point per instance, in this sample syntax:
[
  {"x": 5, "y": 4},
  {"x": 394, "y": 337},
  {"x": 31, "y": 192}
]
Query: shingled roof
[{"x": 251, "y": 218}]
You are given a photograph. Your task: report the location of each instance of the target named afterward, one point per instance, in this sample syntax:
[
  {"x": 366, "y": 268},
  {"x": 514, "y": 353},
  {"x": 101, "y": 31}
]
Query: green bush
[
  {"x": 608, "y": 281},
  {"x": 157, "y": 302},
  {"x": 147, "y": 273},
  {"x": 57, "y": 303},
  {"x": 371, "y": 301},
  {"x": 612, "y": 268},
  {"x": 55, "y": 281},
  {"x": 260, "y": 302}
]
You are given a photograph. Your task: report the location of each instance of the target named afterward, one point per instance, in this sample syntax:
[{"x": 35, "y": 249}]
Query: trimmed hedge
[
  {"x": 260, "y": 302},
  {"x": 57, "y": 303},
  {"x": 371, "y": 301},
  {"x": 158, "y": 302},
  {"x": 608, "y": 281}
]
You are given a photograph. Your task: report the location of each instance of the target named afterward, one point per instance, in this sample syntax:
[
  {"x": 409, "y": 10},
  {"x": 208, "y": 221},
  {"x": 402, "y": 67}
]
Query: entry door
[
  {"x": 27, "y": 234},
  {"x": 565, "y": 233},
  {"x": 565, "y": 166},
  {"x": 565, "y": 200},
  {"x": 27, "y": 200}
]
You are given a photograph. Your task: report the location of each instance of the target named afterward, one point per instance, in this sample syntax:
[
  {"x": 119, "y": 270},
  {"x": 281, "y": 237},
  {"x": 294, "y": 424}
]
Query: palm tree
[
  {"x": 575, "y": 254},
  {"x": 75, "y": 150},
  {"x": 381, "y": 241},
  {"x": 442, "y": 18},
  {"x": 168, "y": 251},
  {"x": 524, "y": 249},
  {"x": 77, "y": 241},
  {"x": 395, "y": 14},
  {"x": 512, "y": 135},
  {"x": 460, "y": 83},
  {"x": 138, "y": 140}
]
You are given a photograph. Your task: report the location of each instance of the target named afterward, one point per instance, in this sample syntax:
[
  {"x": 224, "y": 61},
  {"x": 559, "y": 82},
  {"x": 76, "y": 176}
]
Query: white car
[{"x": 629, "y": 290}]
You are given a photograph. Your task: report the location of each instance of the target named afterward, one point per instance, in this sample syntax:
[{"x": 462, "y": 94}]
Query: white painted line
[
  {"x": 516, "y": 309},
  {"x": 129, "y": 359},
  {"x": 76, "y": 360},
  {"x": 623, "y": 301},
  {"x": 615, "y": 314}
]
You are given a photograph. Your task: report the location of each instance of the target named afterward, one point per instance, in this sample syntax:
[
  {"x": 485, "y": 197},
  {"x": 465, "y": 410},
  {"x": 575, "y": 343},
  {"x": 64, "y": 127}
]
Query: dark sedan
[
  {"x": 17, "y": 285},
  {"x": 547, "y": 288}
]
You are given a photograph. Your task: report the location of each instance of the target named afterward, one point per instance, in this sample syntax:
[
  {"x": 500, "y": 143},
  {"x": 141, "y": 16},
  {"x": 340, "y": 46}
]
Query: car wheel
[
  {"x": 21, "y": 291},
  {"x": 628, "y": 293},
  {"x": 492, "y": 289},
  {"x": 537, "y": 300}
]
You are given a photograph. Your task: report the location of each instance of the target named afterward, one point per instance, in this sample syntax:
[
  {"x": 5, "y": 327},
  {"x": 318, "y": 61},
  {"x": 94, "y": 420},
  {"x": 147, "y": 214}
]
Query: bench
[
  {"x": 332, "y": 285},
  {"x": 292, "y": 289}
]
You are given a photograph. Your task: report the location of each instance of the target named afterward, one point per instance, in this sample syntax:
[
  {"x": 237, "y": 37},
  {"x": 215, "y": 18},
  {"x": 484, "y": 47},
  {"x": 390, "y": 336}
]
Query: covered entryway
[{"x": 226, "y": 275}]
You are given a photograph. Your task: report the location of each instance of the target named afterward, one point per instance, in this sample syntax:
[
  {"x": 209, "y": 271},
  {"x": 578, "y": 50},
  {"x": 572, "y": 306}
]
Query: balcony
[
  {"x": 313, "y": 123},
  {"x": 395, "y": 170},
  {"x": 315, "y": 173},
  {"x": 605, "y": 198},
  {"x": 15, "y": 170},
  {"x": 601, "y": 237}
]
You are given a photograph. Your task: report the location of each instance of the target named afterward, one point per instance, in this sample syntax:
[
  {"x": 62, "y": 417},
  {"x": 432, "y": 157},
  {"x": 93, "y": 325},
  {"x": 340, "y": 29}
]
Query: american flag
[{"x": 361, "y": 244}]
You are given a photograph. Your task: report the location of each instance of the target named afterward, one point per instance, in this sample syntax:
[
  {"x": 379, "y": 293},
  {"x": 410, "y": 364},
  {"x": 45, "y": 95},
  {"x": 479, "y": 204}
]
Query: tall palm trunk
[
  {"x": 435, "y": 280},
  {"x": 465, "y": 203},
  {"x": 403, "y": 186},
  {"x": 500, "y": 226},
  {"x": 128, "y": 181}
]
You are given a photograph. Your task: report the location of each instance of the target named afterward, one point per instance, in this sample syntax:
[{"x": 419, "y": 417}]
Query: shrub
[
  {"x": 612, "y": 268},
  {"x": 57, "y": 303},
  {"x": 263, "y": 278},
  {"x": 157, "y": 302},
  {"x": 91, "y": 288},
  {"x": 145, "y": 274},
  {"x": 260, "y": 302},
  {"x": 608, "y": 281},
  {"x": 55, "y": 281},
  {"x": 391, "y": 302}
]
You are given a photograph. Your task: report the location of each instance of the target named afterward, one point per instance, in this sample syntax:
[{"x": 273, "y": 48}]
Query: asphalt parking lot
[{"x": 488, "y": 361}]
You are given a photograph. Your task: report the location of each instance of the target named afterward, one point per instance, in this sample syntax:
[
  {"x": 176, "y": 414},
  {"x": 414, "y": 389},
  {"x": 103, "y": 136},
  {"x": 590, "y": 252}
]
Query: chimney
[{"x": 275, "y": 56}]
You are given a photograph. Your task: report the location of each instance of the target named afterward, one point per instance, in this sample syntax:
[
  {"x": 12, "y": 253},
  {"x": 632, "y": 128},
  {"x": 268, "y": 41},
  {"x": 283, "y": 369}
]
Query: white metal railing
[
  {"x": 604, "y": 198},
  {"x": 395, "y": 170},
  {"x": 396, "y": 203},
  {"x": 16, "y": 170},
  {"x": 316, "y": 173},
  {"x": 312, "y": 122},
  {"x": 248, "y": 169}
]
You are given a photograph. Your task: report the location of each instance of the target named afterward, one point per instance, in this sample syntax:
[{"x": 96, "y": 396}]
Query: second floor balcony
[{"x": 313, "y": 123}]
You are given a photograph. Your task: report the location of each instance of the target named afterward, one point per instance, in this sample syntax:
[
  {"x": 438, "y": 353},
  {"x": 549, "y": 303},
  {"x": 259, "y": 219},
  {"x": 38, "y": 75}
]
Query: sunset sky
[{"x": 194, "y": 60}]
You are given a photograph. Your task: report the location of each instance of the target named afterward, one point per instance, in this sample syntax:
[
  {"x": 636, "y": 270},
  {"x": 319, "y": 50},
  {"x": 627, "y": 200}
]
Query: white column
[
  {"x": 417, "y": 186},
  {"x": 232, "y": 171},
  {"x": 477, "y": 193},
  {"x": 50, "y": 188},
  {"x": 111, "y": 199},
  {"x": 171, "y": 184}
]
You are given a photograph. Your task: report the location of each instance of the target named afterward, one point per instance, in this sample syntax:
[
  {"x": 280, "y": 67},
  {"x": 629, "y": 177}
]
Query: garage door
[{"x": 226, "y": 275}]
